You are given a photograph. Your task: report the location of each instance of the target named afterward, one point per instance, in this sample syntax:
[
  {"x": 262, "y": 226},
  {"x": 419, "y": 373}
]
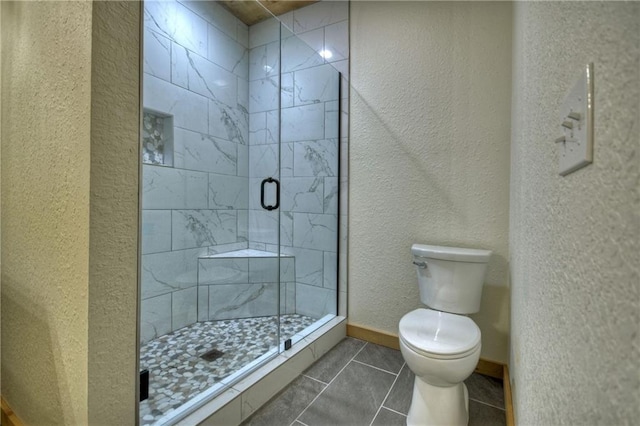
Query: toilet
[{"x": 440, "y": 344}]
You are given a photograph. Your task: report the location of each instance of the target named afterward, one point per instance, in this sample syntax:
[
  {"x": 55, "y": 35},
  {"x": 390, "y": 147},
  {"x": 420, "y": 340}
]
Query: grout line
[
  {"x": 377, "y": 368},
  {"x": 486, "y": 403},
  {"x": 385, "y": 397},
  {"x": 319, "y": 381},
  {"x": 293, "y": 422},
  {"x": 394, "y": 411},
  {"x": 328, "y": 384}
]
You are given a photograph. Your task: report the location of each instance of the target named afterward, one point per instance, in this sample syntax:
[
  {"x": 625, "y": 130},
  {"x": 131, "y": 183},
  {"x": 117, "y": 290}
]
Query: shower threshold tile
[{"x": 177, "y": 372}]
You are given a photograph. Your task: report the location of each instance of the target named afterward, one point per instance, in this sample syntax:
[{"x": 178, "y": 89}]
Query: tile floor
[
  {"x": 360, "y": 383},
  {"x": 177, "y": 372}
]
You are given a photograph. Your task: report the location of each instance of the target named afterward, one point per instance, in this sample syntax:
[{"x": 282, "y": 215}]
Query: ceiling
[{"x": 250, "y": 12}]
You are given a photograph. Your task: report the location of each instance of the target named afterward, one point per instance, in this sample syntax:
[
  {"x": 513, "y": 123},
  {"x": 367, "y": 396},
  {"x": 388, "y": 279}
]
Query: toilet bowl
[
  {"x": 441, "y": 345},
  {"x": 441, "y": 355}
]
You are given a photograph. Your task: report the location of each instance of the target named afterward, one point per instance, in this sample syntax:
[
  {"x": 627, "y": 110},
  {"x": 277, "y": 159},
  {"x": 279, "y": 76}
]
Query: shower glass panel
[
  {"x": 239, "y": 200},
  {"x": 309, "y": 121}
]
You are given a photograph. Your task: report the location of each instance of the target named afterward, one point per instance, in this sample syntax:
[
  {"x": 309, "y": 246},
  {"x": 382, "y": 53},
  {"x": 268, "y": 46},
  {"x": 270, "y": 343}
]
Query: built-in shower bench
[{"x": 244, "y": 284}]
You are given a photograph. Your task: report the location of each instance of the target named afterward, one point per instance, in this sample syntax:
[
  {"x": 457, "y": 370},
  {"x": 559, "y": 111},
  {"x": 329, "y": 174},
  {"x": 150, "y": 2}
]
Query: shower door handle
[{"x": 262, "y": 185}]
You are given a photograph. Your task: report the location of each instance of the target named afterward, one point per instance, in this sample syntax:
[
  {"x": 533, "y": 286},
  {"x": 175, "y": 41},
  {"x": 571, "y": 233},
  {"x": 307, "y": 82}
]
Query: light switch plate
[{"x": 576, "y": 144}]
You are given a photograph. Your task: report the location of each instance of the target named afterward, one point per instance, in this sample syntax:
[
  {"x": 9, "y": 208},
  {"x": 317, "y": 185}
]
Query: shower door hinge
[
  {"x": 287, "y": 344},
  {"x": 144, "y": 385}
]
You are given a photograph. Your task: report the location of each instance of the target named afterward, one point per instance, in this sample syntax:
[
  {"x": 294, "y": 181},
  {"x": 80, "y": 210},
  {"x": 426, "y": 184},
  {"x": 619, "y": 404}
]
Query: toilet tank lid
[{"x": 451, "y": 253}]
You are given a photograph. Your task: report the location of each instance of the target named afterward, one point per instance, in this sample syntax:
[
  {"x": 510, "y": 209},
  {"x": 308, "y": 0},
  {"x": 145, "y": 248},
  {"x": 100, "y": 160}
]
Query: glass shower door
[{"x": 309, "y": 130}]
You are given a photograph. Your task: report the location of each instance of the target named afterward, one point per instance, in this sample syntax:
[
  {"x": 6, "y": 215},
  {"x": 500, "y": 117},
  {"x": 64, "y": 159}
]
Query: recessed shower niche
[{"x": 157, "y": 138}]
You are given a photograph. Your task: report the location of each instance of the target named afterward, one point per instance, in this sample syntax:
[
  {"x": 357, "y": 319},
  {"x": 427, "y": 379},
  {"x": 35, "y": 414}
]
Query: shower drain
[{"x": 212, "y": 355}]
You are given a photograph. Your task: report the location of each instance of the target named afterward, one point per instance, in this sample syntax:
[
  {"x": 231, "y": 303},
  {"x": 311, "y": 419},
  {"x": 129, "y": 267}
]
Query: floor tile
[
  {"x": 360, "y": 390},
  {"x": 485, "y": 389},
  {"x": 378, "y": 356},
  {"x": 389, "y": 418},
  {"x": 285, "y": 407},
  {"x": 484, "y": 415},
  {"x": 326, "y": 368},
  {"x": 399, "y": 398}
]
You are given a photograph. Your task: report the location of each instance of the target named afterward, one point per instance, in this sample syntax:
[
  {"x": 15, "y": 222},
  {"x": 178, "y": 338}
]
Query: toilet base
[{"x": 434, "y": 405}]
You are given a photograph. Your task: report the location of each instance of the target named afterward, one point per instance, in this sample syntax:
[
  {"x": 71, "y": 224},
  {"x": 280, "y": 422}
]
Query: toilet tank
[{"x": 450, "y": 278}]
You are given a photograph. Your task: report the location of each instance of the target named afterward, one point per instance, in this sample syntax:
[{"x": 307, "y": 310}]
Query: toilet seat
[{"x": 440, "y": 335}]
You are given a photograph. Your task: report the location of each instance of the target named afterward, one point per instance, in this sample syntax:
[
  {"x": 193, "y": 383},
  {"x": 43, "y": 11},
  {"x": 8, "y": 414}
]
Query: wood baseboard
[
  {"x": 374, "y": 336},
  {"x": 508, "y": 401},
  {"x": 8, "y": 417}
]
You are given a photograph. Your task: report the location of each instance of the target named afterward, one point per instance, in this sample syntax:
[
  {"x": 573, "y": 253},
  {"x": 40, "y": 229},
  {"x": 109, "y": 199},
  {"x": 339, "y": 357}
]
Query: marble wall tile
[
  {"x": 287, "y": 269},
  {"x": 199, "y": 151},
  {"x": 315, "y": 158},
  {"x": 214, "y": 14},
  {"x": 263, "y": 160},
  {"x": 309, "y": 265},
  {"x": 303, "y": 123},
  {"x": 264, "y": 32},
  {"x": 184, "y": 308},
  {"x": 257, "y": 128},
  {"x": 155, "y": 317},
  {"x": 228, "y": 192},
  {"x": 243, "y": 94},
  {"x": 330, "y": 270},
  {"x": 286, "y": 90},
  {"x": 319, "y": 15},
  {"x": 288, "y": 297},
  {"x": 243, "y": 34},
  {"x": 202, "y": 76},
  {"x": 156, "y": 231},
  {"x": 263, "y": 269},
  {"x": 286, "y": 159},
  {"x": 218, "y": 271},
  {"x": 228, "y": 53},
  {"x": 176, "y": 22},
  {"x": 297, "y": 55},
  {"x": 169, "y": 188},
  {"x": 317, "y": 84},
  {"x": 242, "y": 300},
  {"x": 264, "y": 61},
  {"x": 343, "y": 68},
  {"x": 189, "y": 109},
  {"x": 230, "y": 123},
  {"x": 315, "y": 231},
  {"x": 243, "y": 160},
  {"x": 203, "y": 303},
  {"x": 331, "y": 120},
  {"x": 169, "y": 271},
  {"x": 314, "y": 301},
  {"x": 225, "y": 248},
  {"x": 273, "y": 127},
  {"x": 263, "y": 226},
  {"x": 302, "y": 195},
  {"x": 243, "y": 225},
  {"x": 263, "y": 94},
  {"x": 314, "y": 39},
  {"x": 157, "y": 55},
  {"x": 202, "y": 228},
  {"x": 336, "y": 40},
  {"x": 330, "y": 199},
  {"x": 286, "y": 228}
]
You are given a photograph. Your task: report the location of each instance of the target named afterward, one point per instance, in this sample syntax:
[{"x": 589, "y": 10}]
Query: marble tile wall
[
  {"x": 196, "y": 69},
  {"x": 310, "y": 140},
  {"x": 218, "y": 80}
]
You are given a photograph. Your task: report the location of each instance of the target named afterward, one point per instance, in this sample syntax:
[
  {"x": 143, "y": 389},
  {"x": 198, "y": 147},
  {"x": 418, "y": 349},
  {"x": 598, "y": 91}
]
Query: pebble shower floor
[{"x": 177, "y": 372}]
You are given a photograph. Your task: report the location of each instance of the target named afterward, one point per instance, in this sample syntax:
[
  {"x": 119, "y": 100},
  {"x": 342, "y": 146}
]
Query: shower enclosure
[{"x": 240, "y": 200}]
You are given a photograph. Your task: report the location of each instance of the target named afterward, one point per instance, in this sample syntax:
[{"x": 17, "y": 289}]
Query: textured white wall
[
  {"x": 114, "y": 207},
  {"x": 429, "y": 152},
  {"x": 575, "y": 241},
  {"x": 70, "y": 132},
  {"x": 46, "y": 92}
]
